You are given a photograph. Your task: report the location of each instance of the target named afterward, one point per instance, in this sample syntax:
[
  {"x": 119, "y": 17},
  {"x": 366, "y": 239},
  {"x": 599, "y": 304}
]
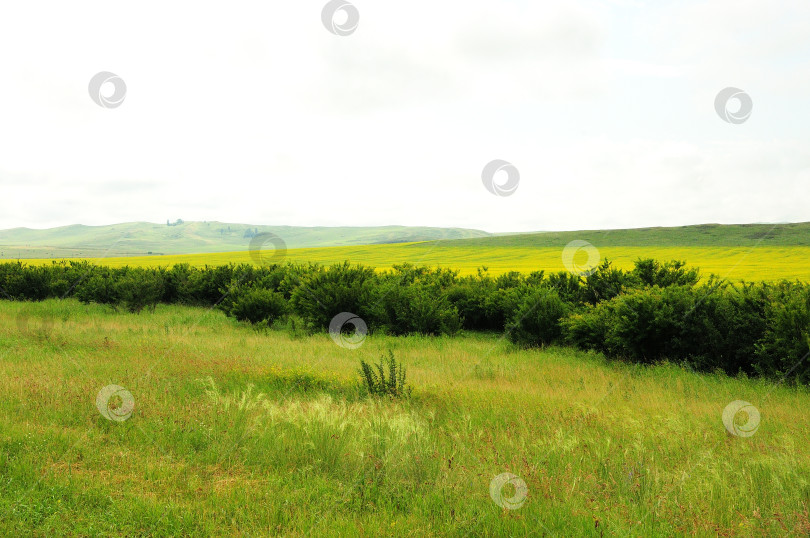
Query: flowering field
[{"x": 734, "y": 263}]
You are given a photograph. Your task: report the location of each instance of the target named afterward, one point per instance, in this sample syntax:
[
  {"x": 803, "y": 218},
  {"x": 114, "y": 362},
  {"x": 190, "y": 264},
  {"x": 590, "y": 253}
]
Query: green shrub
[
  {"x": 711, "y": 327},
  {"x": 486, "y": 304},
  {"x": 471, "y": 299},
  {"x": 538, "y": 322},
  {"x": 417, "y": 308},
  {"x": 672, "y": 273},
  {"x": 60, "y": 283},
  {"x": 589, "y": 328},
  {"x": 139, "y": 288},
  {"x": 207, "y": 286},
  {"x": 375, "y": 380},
  {"x": 568, "y": 286},
  {"x": 783, "y": 350},
  {"x": 607, "y": 282},
  {"x": 24, "y": 283},
  {"x": 651, "y": 324},
  {"x": 732, "y": 319},
  {"x": 341, "y": 288},
  {"x": 175, "y": 284},
  {"x": 99, "y": 287},
  {"x": 257, "y": 305}
]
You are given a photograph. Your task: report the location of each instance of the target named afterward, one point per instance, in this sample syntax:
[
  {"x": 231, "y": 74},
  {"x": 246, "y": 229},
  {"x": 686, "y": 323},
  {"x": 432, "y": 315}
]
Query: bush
[
  {"x": 568, "y": 286},
  {"x": 783, "y": 350},
  {"x": 175, "y": 284},
  {"x": 654, "y": 324},
  {"x": 607, "y": 282},
  {"x": 589, "y": 328},
  {"x": 139, "y": 288},
  {"x": 486, "y": 304},
  {"x": 24, "y": 283},
  {"x": 672, "y": 273},
  {"x": 99, "y": 287},
  {"x": 538, "y": 322},
  {"x": 417, "y": 308},
  {"x": 471, "y": 300},
  {"x": 207, "y": 286},
  {"x": 257, "y": 305},
  {"x": 323, "y": 294},
  {"x": 711, "y": 327},
  {"x": 732, "y": 319},
  {"x": 62, "y": 277}
]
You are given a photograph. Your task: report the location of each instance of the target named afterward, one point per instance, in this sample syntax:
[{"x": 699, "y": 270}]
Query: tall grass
[{"x": 244, "y": 432}]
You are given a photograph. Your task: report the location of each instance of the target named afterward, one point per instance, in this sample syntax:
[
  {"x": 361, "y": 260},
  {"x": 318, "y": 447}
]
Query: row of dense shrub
[{"x": 654, "y": 311}]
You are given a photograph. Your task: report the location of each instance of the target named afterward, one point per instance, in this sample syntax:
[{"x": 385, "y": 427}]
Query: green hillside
[
  {"x": 142, "y": 238},
  {"x": 701, "y": 235}
]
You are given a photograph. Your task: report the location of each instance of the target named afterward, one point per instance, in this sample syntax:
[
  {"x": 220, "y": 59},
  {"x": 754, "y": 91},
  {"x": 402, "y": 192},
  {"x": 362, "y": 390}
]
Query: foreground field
[
  {"x": 236, "y": 431},
  {"x": 749, "y": 263}
]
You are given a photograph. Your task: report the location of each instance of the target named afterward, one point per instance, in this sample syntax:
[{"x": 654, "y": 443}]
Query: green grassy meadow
[{"x": 246, "y": 432}]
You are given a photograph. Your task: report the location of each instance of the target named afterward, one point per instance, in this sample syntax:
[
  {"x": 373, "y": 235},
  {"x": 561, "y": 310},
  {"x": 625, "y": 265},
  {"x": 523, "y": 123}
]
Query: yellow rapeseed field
[{"x": 735, "y": 263}]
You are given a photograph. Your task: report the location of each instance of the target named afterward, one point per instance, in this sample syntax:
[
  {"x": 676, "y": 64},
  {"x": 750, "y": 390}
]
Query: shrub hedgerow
[{"x": 656, "y": 311}]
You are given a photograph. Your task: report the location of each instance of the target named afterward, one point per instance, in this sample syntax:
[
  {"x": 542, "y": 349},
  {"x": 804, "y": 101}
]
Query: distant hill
[
  {"x": 143, "y": 238},
  {"x": 701, "y": 235}
]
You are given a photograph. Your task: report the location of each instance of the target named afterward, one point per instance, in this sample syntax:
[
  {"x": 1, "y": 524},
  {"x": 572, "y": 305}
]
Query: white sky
[{"x": 253, "y": 112}]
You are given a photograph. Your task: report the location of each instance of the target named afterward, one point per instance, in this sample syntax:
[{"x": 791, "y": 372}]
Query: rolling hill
[
  {"x": 700, "y": 235},
  {"x": 145, "y": 238}
]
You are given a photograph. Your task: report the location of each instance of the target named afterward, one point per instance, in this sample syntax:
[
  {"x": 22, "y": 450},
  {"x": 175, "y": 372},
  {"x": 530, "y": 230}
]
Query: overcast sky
[{"x": 254, "y": 112}]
